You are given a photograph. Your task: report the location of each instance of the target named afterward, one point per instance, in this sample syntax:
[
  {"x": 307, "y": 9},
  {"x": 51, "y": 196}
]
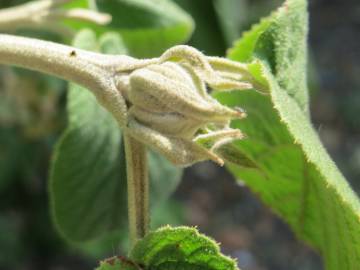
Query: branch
[
  {"x": 94, "y": 71},
  {"x": 52, "y": 58},
  {"x": 98, "y": 73},
  {"x": 46, "y": 14}
]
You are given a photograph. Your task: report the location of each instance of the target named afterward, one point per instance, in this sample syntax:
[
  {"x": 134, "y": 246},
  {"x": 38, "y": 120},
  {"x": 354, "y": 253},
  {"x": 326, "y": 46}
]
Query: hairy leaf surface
[
  {"x": 299, "y": 181},
  {"x": 173, "y": 248}
]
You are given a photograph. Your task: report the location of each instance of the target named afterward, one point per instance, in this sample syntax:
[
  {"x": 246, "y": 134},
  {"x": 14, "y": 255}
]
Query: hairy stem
[
  {"x": 138, "y": 188},
  {"x": 51, "y": 58},
  {"x": 97, "y": 72},
  {"x": 93, "y": 71},
  {"x": 12, "y": 18}
]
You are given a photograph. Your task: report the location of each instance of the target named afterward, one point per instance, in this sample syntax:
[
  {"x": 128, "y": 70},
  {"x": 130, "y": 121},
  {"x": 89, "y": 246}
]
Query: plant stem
[
  {"x": 138, "y": 188},
  {"x": 62, "y": 61},
  {"x": 97, "y": 72},
  {"x": 93, "y": 71}
]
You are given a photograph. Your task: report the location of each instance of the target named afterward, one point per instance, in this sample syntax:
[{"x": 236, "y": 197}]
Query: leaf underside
[{"x": 299, "y": 181}]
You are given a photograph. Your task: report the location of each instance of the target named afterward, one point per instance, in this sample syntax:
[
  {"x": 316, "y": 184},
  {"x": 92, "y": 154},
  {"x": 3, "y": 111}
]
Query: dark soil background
[{"x": 208, "y": 196}]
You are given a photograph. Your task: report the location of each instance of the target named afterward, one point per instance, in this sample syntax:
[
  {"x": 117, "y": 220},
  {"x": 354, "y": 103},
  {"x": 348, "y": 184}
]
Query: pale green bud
[{"x": 171, "y": 109}]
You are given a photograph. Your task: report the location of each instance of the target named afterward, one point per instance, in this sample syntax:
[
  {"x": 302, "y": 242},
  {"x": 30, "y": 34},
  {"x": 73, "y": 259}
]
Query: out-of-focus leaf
[
  {"x": 88, "y": 177},
  {"x": 232, "y": 15},
  {"x": 148, "y": 27}
]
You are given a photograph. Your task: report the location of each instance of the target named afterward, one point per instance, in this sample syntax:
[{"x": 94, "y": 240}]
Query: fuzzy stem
[
  {"x": 62, "y": 61},
  {"x": 12, "y": 18},
  {"x": 138, "y": 188},
  {"x": 93, "y": 71},
  {"x": 97, "y": 72}
]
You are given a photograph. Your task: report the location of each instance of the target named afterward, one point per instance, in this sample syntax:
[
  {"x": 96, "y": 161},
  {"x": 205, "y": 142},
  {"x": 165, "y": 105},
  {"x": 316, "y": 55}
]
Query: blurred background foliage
[{"x": 32, "y": 116}]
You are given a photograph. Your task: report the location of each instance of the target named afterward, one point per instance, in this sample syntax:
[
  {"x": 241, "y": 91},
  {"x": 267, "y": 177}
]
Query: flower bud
[
  {"x": 172, "y": 111},
  {"x": 168, "y": 87}
]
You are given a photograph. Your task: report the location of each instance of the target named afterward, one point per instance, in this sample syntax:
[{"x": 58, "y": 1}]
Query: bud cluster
[{"x": 171, "y": 110}]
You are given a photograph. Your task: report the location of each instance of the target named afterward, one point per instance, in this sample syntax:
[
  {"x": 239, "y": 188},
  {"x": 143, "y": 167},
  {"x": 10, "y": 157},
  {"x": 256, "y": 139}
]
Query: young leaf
[
  {"x": 173, "y": 248},
  {"x": 303, "y": 184},
  {"x": 280, "y": 41},
  {"x": 88, "y": 176}
]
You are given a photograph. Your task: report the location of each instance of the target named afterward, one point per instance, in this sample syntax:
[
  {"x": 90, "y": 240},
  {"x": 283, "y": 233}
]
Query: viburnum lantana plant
[
  {"x": 168, "y": 104},
  {"x": 163, "y": 103}
]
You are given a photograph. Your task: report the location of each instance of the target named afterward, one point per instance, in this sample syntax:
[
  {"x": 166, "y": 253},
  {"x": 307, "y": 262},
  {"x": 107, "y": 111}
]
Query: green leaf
[
  {"x": 88, "y": 176},
  {"x": 148, "y": 27},
  {"x": 280, "y": 41},
  {"x": 173, "y": 248},
  {"x": 248, "y": 42},
  {"x": 303, "y": 185}
]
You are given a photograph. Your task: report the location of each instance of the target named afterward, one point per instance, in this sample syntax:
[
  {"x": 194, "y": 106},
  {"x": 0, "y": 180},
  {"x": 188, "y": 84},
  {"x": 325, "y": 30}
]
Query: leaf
[
  {"x": 148, "y": 27},
  {"x": 86, "y": 200},
  {"x": 173, "y": 248},
  {"x": 248, "y": 42},
  {"x": 303, "y": 184},
  {"x": 281, "y": 43},
  {"x": 88, "y": 177}
]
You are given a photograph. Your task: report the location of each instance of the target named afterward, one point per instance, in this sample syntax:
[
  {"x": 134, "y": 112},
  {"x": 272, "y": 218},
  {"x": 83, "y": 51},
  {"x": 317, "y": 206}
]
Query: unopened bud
[{"x": 171, "y": 110}]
